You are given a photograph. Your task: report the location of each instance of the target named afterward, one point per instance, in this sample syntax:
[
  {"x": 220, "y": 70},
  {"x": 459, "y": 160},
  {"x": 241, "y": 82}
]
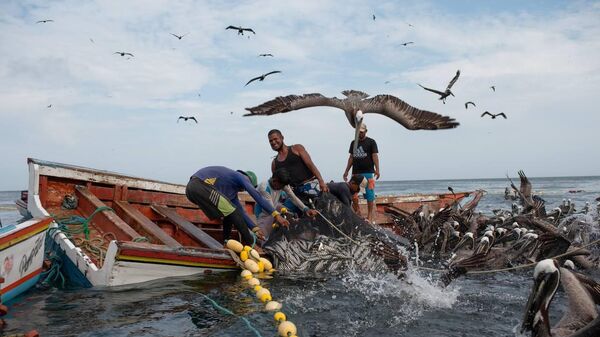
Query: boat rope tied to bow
[
  {"x": 254, "y": 268},
  {"x": 65, "y": 222}
]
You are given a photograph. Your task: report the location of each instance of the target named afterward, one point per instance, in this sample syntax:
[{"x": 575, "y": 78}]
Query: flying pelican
[
  {"x": 262, "y": 77},
  {"x": 447, "y": 92},
  {"x": 493, "y": 115},
  {"x": 241, "y": 30},
  {"x": 493, "y": 87},
  {"x": 45, "y": 21},
  {"x": 122, "y": 53},
  {"x": 355, "y": 105},
  {"x": 264, "y": 55},
  {"x": 407, "y": 43},
  {"x": 178, "y": 36},
  {"x": 374, "y": 17},
  {"x": 467, "y": 105},
  {"x": 49, "y": 106},
  {"x": 581, "y": 316},
  {"x": 186, "y": 118}
]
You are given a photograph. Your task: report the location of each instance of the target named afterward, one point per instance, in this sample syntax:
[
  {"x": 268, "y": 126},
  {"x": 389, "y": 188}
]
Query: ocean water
[{"x": 352, "y": 304}]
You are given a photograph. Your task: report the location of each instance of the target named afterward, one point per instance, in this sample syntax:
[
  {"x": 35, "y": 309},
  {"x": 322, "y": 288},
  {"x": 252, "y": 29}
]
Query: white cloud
[{"x": 544, "y": 64}]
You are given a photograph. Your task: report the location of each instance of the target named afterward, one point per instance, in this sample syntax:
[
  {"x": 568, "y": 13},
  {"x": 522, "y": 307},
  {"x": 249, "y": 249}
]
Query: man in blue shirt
[{"x": 215, "y": 190}]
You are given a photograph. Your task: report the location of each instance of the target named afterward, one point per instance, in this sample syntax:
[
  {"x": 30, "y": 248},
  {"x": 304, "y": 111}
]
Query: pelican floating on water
[{"x": 581, "y": 319}]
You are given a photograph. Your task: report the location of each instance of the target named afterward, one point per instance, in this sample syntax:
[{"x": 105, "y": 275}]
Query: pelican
[
  {"x": 355, "y": 105},
  {"x": 581, "y": 317}
]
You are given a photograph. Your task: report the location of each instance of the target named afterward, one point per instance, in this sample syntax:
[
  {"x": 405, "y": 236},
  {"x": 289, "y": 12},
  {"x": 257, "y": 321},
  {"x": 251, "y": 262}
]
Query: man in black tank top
[{"x": 306, "y": 178}]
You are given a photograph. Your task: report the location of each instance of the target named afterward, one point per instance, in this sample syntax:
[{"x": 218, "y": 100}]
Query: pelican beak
[
  {"x": 536, "y": 310},
  {"x": 356, "y": 131}
]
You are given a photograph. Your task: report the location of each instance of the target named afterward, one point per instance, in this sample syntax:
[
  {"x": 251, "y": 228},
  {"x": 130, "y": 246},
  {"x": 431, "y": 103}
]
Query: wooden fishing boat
[
  {"x": 21, "y": 256},
  {"x": 140, "y": 229}
]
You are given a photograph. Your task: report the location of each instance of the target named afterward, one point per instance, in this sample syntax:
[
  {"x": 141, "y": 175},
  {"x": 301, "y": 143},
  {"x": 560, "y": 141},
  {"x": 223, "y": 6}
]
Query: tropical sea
[{"x": 352, "y": 304}]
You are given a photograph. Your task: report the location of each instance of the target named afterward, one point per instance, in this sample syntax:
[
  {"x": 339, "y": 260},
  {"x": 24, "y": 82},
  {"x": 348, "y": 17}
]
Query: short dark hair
[
  {"x": 357, "y": 179},
  {"x": 274, "y": 131},
  {"x": 283, "y": 176}
]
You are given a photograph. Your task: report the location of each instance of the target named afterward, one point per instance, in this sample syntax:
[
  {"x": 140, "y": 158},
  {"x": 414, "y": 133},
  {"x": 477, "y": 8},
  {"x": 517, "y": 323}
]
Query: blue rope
[{"x": 229, "y": 312}]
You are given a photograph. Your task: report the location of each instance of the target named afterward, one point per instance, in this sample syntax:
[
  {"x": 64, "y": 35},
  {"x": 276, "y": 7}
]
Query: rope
[
  {"x": 515, "y": 267},
  {"x": 229, "y": 312},
  {"x": 63, "y": 223}
]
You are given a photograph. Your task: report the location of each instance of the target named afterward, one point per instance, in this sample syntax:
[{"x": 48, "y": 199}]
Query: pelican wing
[
  {"x": 249, "y": 30},
  {"x": 272, "y": 72},
  {"x": 525, "y": 187},
  {"x": 283, "y": 104},
  {"x": 433, "y": 90},
  {"x": 453, "y": 80},
  {"x": 233, "y": 27},
  {"x": 410, "y": 117},
  {"x": 590, "y": 285}
]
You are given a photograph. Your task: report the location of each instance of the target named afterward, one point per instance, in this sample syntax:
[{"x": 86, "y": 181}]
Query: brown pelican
[
  {"x": 45, "y": 21},
  {"x": 262, "y": 77},
  {"x": 185, "y": 119},
  {"x": 407, "y": 43},
  {"x": 265, "y": 55},
  {"x": 355, "y": 105},
  {"x": 467, "y": 104},
  {"x": 447, "y": 92},
  {"x": 493, "y": 115},
  {"x": 581, "y": 317},
  {"x": 493, "y": 87},
  {"x": 179, "y": 37},
  {"x": 241, "y": 30},
  {"x": 122, "y": 53}
]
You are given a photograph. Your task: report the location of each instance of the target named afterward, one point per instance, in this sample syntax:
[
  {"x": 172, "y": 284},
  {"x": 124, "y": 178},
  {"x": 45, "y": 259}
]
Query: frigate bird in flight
[
  {"x": 45, "y": 21},
  {"x": 262, "y": 77},
  {"x": 493, "y": 87},
  {"x": 185, "y": 119},
  {"x": 447, "y": 92},
  {"x": 264, "y": 55},
  {"x": 179, "y": 37},
  {"x": 407, "y": 43},
  {"x": 355, "y": 105},
  {"x": 122, "y": 53},
  {"x": 467, "y": 105},
  {"x": 493, "y": 115},
  {"x": 241, "y": 30}
]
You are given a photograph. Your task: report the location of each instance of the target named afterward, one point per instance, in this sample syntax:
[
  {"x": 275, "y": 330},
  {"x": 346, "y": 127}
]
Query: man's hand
[
  {"x": 345, "y": 176},
  {"x": 282, "y": 221},
  {"x": 377, "y": 175},
  {"x": 258, "y": 232},
  {"x": 312, "y": 213},
  {"x": 323, "y": 186}
]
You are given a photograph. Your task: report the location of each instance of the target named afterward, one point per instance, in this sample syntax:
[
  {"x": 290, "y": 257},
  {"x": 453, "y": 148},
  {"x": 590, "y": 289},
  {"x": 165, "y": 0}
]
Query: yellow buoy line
[{"x": 255, "y": 264}]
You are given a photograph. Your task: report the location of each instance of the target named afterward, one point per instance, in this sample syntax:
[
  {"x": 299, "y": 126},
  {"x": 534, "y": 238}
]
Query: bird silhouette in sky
[
  {"x": 467, "y": 105},
  {"x": 179, "y": 37},
  {"x": 493, "y": 115},
  {"x": 262, "y": 77},
  {"x": 185, "y": 119},
  {"x": 122, "y": 53},
  {"x": 45, "y": 21},
  {"x": 241, "y": 30},
  {"x": 447, "y": 92}
]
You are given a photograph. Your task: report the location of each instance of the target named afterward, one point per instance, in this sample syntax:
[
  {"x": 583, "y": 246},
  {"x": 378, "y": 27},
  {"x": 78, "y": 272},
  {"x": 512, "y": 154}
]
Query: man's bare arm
[
  {"x": 376, "y": 161},
  {"x": 348, "y": 166},
  {"x": 301, "y": 151}
]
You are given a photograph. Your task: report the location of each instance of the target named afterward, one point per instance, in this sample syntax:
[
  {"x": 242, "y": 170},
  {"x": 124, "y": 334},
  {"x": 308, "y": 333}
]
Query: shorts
[
  {"x": 370, "y": 189},
  {"x": 214, "y": 204},
  {"x": 308, "y": 189}
]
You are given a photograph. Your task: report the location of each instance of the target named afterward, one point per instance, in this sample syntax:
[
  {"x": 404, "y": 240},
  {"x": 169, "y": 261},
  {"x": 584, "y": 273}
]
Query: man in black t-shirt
[
  {"x": 345, "y": 191},
  {"x": 365, "y": 161}
]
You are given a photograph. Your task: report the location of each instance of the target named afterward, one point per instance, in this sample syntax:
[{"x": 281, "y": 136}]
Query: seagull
[
  {"x": 262, "y": 77},
  {"x": 186, "y": 118},
  {"x": 493, "y": 115},
  {"x": 407, "y": 43},
  {"x": 467, "y": 105},
  {"x": 178, "y": 36},
  {"x": 49, "y": 106},
  {"x": 447, "y": 92},
  {"x": 263, "y": 55},
  {"x": 493, "y": 87},
  {"x": 122, "y": 53},
  {"x": 241, "y": 30},
  {"x": 355, "y": 105},
  {"x": 45, "y": 21}
]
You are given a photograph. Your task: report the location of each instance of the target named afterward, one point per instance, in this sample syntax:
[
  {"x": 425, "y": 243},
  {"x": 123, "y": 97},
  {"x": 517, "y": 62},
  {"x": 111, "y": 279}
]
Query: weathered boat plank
[
  {"x": 187, "y": 226},
  {"x": 131, "y": 214}
]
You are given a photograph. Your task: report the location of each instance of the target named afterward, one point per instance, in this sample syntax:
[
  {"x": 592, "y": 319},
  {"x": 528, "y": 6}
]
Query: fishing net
[{"x": 334, "y": 241}]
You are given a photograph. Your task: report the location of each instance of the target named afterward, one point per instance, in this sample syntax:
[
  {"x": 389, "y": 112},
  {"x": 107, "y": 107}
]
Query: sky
[{"x": 120, "y": 113}]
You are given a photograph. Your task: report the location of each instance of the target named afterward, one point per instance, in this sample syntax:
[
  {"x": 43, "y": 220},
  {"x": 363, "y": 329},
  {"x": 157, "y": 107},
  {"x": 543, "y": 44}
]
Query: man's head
[
  {"x": 251, "y": 177},
  {"x": 275, "y": 139},
  {"x": 362, "y": 132},
  {"x": 280, "y": 178},
  {"x": 356, "y": 183}
]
